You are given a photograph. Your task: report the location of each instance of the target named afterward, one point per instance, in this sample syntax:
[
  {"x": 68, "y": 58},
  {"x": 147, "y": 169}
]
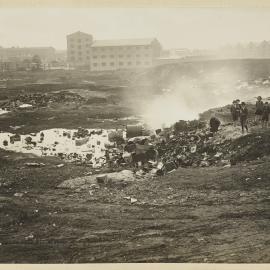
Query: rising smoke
[{"x": 185, "y": 98}]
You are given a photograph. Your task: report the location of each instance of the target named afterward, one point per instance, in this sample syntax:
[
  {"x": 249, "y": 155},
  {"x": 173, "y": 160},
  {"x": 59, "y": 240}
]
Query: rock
[
  {"x": 122, "y": 177},
  {"x": 204, "y": 163},
  {"x": 5, "y": 143}
]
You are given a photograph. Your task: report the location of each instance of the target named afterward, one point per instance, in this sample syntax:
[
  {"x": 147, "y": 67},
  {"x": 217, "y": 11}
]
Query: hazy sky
[{"x": 175, "y": 28}]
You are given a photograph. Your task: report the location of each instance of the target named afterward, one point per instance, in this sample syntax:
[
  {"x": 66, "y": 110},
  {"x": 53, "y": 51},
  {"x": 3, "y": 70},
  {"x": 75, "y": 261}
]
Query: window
[
  {"x": 79, "y": 46},
  {"x": 79, "y": 40},
  {"x": 146, "y": 55},
  {"x": 112, "y": 56},
  {"x": 72, "y": 58},
  {"x": 95, "y": 64},
  {"x": 137, "y": 55},
  {"x": 71, "y": 52},
  {"x": 112, "y": 63},
  {"x": 95, "y": 57},
  {"x": 80, "y": 59},
  {"x": 129, "y": 63},
  {"x": 87, "y": 57},
  {"x": 79, "y": 53},
  {"x": 128, "y": 55},
  {"x": 146, "y": 63},
  {"x": 71, "y": 46},
  {"x": 121, "y": 63},
  {"x": 103, "y": 64},
  {"x": 103, "y": 56},
  {"x": 120, "y": 55},
  {"x": 138, "y": 63}
]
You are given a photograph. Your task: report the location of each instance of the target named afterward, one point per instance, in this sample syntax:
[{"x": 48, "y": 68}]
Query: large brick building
[{"x": 102, "y": 55}]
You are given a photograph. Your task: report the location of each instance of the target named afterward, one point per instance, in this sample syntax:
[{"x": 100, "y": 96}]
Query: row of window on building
[
  {"x": 120, "y": 56},
  {"x": 104, "y": 64},
  {"x": 80, "y": 46},
  {"x": 79, "y": 40},
  {"x": 79, "y": 52},
  {"x": 72, "y": 58},
  {"x": 120, "y": 48},
  {"x": 111, "y": 56}
]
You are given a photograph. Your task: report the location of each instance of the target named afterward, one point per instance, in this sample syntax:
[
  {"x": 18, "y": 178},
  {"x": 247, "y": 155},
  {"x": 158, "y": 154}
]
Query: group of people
[{"x": 239, "y": 111}]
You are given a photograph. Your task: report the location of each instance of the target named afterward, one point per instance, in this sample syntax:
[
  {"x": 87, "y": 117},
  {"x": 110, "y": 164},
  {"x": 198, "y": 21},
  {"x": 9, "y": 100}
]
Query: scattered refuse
[
  {"x": 133, "y": 200},
  {"x": 23, "y": 106},
  {"x": 34, "y": 164},
  {"x": 60, "y": 165},
  {"x": 30, "y": 236},
  {"x": 3, "y": 111},
  {"x": 18, "y": 194}
]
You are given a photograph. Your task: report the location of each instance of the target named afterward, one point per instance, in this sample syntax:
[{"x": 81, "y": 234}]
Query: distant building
[
  {"x": 124, "y": 54},
  {"x": 105, "y": 55},
  {"x": 46, "y": 54},
  {"x": 79, "y": 49}
]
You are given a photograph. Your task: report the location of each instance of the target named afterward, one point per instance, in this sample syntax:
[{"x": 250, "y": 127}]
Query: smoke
[{"x": 185, "y": 98}]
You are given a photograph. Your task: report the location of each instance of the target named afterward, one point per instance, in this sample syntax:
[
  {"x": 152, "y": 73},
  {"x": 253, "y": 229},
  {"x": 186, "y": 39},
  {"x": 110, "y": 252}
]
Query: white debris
[
  {"x": 25, "y": 106},
  {"x": 133, "y": 200}
]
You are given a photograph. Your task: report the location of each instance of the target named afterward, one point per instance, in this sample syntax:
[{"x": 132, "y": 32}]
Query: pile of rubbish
[
  {"x": 41, "y": 100},
  {"x": 186, "y": 144},
  {"x": 144, "y": 152}
]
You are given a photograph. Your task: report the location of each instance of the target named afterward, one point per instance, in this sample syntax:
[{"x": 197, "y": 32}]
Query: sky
[{"x": 191, "y": 28}]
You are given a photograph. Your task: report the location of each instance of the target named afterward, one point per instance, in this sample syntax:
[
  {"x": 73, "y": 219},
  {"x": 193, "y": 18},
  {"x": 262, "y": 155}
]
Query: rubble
[
  {"x": 36, "y": 100},
  {"x": 94, "y": 181}
]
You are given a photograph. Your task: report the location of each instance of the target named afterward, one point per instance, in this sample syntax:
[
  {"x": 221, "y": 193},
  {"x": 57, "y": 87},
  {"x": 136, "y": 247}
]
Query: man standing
[
  {"x": 265, "y": 115},
  {"x": 235, "y": 112},
  {"x": 259, "y": 109},
  {"x": 243, "y": 117}
]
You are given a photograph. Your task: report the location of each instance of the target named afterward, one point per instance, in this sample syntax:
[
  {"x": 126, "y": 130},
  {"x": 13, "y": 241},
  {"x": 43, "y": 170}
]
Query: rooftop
[
  {"x": 78, "y": 33},
  {"x": 123, "y": 42}
]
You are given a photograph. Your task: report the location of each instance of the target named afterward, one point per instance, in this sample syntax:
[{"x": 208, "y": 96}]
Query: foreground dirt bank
[{"x": 191, "y": 215}]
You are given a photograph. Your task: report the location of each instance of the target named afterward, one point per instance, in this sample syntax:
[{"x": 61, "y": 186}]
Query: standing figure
[
  {"x": 243, "y": 117},
  {"x": 259, "y": 109},
  {"x": 265, "y": 115},
  {"x": 235, "y": 110}
]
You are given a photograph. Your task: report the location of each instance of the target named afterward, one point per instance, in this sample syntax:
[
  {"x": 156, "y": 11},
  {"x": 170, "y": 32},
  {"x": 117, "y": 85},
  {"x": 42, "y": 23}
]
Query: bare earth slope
[{"x": 191, "y": 215}]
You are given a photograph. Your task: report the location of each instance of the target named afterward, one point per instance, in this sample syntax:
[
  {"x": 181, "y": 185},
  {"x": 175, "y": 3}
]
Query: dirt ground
[{"x": 192, "y": 215}]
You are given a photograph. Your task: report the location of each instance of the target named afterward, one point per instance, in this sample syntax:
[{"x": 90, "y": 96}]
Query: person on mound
[
  {"x": 265, "y": 115},
  {"x": 243, "y": 117},
  {"x": 259, "y": 109}
]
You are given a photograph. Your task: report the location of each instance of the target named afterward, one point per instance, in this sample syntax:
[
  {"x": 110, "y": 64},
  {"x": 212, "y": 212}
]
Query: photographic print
[{"x": 134, "y": 134}]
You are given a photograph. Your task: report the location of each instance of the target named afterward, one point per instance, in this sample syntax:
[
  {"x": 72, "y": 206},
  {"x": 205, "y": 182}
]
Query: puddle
[{"x": 63, "y": 143}]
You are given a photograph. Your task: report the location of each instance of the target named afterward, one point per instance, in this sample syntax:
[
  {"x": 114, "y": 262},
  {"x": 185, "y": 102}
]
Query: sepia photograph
[{"x": 134, "y": 134}]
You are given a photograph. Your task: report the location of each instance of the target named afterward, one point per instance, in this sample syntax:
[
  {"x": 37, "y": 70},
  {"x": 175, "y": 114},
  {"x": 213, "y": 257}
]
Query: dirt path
[{"x": 191, "y": 215}]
